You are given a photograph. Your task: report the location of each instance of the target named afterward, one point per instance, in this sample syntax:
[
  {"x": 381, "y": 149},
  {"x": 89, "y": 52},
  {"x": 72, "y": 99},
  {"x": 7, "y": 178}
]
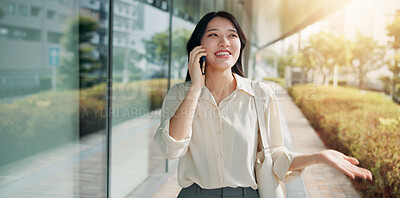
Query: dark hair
[{"x": 198, "y": 33}]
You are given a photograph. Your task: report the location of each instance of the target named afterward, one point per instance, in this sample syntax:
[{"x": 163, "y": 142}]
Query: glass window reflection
[
  {"x": 10, "y": 8},
  {"x": 140, "y": 68},
  {"x": 53, "y": 93},
  {"x": 35, "y": 11},
  {"x": 23, "y": 10},
  {"x": 52, "y": 100}
]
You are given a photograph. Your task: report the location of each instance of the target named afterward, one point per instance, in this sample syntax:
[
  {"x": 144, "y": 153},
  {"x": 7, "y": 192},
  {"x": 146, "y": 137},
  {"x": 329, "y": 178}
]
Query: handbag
[{"x": 267, "y": 181}]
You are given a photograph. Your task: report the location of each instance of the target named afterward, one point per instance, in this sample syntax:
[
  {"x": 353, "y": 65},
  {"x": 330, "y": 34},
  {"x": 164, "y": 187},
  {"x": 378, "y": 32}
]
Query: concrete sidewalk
[
  {"x": 317, "y": 181},
  {"x": 320, "y": 180}
]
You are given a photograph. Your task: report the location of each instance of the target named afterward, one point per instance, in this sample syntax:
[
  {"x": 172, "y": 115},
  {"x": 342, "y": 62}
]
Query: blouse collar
[{"x": 242, "y": 84}]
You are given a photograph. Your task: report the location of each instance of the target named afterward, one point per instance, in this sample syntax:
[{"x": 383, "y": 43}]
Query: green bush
[
  {"x": 37, "y": 122},
  {"x": 361, "y": 124},
  {"x": 45, "y": 120}
]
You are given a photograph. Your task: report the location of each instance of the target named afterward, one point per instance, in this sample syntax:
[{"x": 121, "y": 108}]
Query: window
[
  {"x": 50, "y": 14},
  {"x": 10, "y": 8},
  {"x": 164, "y": 5},
  {"x": 35, "y": 11},
  {"x": 23, "y": 10},
  {"x": 54, "y": 37}
]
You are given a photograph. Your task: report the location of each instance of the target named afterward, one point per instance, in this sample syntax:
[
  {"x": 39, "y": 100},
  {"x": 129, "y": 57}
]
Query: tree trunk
[
  {"x": 361, "y": 75},
  {"x": 323, "y": 74},
  {"x": 360, "y": 80}
]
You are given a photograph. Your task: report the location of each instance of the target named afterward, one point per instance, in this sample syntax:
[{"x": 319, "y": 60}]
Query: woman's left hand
[{"x": 345, "y": 164}]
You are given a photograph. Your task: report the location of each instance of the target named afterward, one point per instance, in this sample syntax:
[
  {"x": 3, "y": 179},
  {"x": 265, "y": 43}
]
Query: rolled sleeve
[
  {"x": 170, "y": 148},
  {"x": 170, "y": 141},
  {"x": 282, "y": 159}
]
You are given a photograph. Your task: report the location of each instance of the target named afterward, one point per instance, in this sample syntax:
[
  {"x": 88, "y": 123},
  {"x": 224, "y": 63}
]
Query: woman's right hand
[
  {"x": 194, "y": 66},
  {"x": 346, "y": 164}
]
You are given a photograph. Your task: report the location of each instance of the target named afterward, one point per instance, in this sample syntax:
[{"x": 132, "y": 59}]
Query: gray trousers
[{"x": 195, "y": 191}]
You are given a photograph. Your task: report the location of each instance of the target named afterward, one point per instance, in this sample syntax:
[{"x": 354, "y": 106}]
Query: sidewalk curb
[{"x": 296, "y": 188}]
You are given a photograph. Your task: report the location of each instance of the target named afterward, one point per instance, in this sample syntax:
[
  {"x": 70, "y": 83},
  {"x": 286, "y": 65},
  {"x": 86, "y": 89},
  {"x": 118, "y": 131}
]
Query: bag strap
[{"x": 260, "y": 115}]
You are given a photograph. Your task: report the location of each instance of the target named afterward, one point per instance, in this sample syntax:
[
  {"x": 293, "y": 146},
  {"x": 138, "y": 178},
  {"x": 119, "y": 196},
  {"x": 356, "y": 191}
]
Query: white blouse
[{"x": 221, "y": 145}]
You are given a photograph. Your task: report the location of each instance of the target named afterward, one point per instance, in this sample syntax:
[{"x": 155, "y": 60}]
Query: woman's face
[{"x": 222, "y": 43}]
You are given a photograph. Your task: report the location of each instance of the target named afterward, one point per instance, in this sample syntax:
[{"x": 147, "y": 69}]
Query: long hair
[{"x": 198, "y": 33}]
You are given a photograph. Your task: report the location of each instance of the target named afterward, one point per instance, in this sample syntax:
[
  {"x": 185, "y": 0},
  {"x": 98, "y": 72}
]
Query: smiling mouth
[{"x": 222, "y": 54}]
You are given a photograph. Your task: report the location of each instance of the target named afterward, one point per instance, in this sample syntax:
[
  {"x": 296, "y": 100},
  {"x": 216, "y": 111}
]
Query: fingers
[
  {"x": 347, "y": 165},
  {"x": 197, "y": 58},
  {"x": 194, "y": 65},
  {"x": 195, "y": 53},
  {"x": 358, "y": 171},
  {"x": 347, "y": 172},
  {"x": 370, "y": 175},
  {"x": 352, "y": 160},
  {"x": 366, "y": 174},
  {"x": 196, "y": 49},
  {"x": 352, "y": 171}
]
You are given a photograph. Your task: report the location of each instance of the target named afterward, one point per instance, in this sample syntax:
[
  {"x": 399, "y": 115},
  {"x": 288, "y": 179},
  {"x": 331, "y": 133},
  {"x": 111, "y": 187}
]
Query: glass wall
[
  {"x": 54, "y": 77},
  {"x": 140, "y": 72},
  {"x": 183, "y": 20},
  {"x": 53, "y": 68}
]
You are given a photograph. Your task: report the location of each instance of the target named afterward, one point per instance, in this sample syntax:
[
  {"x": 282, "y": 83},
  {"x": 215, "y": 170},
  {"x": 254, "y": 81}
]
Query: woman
[{"x": 210, "y": 123}]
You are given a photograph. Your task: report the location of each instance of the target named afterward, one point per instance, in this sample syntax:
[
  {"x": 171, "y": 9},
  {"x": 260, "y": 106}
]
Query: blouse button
[{"x": 221, "y": 179}]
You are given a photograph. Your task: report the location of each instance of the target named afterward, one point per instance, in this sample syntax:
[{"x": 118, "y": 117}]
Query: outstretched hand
[{"x": 345, "y": 164}]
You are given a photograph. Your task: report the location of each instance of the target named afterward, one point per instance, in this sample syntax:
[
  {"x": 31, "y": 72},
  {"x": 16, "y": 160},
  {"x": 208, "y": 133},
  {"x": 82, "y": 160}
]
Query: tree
[
  {"x": 180, "y": 38},
  {"x": 394, "y": 32},
  {"x": 157, "y": 48},
  {"x": 158, "y": 45},
  {"x": 273, "y": 58},
  {"x": 394, "y": 67},
  {"x": 77, "y": 41},
  {"x": 367, "y": 56},
  {"x": 130, "y": 57},
  {"x": 394, "y": 64},
  {"x": 304, "y": 59},
  {"x": 328, "y": 51},
  {"x": 387, "y": 83}
]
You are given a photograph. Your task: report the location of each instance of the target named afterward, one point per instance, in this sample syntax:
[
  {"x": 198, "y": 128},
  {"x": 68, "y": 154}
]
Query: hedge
[
  {"x": 40, "y": 121},
  {"x": 362, "y": 124}
]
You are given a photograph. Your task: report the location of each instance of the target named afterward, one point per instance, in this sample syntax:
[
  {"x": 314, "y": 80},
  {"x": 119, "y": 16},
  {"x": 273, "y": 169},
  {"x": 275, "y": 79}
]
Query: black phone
[{"x": 203, "y": 67}]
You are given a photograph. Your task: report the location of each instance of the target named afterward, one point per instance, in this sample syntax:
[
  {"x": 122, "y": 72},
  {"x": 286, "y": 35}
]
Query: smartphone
[{"x": 202, "y": 65}]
